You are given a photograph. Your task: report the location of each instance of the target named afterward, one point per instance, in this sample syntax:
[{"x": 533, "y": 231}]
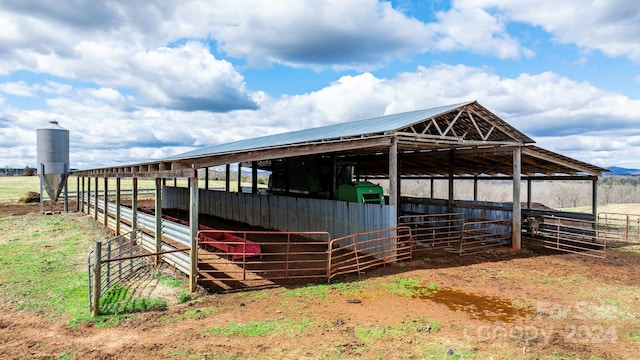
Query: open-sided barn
[{"x": 310, "y": 167}]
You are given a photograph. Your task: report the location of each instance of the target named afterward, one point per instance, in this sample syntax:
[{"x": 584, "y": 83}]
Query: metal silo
[{"x": 53, "y": 161}]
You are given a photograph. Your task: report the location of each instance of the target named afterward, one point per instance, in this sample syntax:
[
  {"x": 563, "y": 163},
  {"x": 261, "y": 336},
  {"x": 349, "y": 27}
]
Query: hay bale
[{"x": 29, "y": 197}]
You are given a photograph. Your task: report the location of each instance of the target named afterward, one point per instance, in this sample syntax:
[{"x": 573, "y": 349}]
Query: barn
[{"x": 323, "y": 207}]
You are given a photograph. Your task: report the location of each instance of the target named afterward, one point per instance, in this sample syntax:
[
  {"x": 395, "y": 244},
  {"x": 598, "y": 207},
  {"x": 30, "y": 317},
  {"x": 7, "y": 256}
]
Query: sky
[{"x": 142, "y": 80}]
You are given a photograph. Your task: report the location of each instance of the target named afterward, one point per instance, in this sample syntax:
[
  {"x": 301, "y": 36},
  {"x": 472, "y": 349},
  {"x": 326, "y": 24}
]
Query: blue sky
[{"x": 134, "y": 81}]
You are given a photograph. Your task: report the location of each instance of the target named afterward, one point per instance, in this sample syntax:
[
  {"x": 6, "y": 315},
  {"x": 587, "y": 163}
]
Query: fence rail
[
  {"x": 435, "y": 231},
  {"x": 112, "y": 262},
  {"x": 478, "y": 236},
  {"x": 619, "y": 227},
  {"x": 569, "y": 235},
  {"x": 369, "y": 249},
  {"x": 283, "y": 256}
]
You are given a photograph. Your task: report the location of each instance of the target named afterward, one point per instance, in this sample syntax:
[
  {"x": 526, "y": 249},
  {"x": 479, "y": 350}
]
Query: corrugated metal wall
[
  {"x": 284, "y": 213},
  {"x": 472, "y": 210}
]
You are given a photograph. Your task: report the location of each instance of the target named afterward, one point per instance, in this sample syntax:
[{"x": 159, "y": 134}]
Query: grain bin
[{"x": 53, "y": 160}]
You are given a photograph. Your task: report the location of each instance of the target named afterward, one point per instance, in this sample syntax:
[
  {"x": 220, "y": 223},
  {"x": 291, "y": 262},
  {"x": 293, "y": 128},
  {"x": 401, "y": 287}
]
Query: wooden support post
[
  {"x": 254, "y": 177},
  {"x": 431, "y": 188},
  {"x": 451, "y": 171},
  {"x": 134, "y": 203},
  {"x": 399, "y": 186},
  {"x": 517, "y": 208},
  {"x": 206, "y": 178},
  {"x": 333, "y": 191},
  {"x": 227, "y": 178},
  {"x": 239, "y": 177},
  {"x": 105, "y": 203},
  {"x": 95, "y": 204},
  {"x": 193, "y": 229},
  {"x": 475, "y": 188},
  {"x": 77, "y": 193},
  {"x": 66, "y": 194},
  {"x": 393, "y": 172},
  {"x": 89, "y": 196},
  {"x": 158, "y": 211},
  {"x": 118, "y": 200},
  {"x": 594, "y": 197},
  {"x": 95, "y": 286},
  {"x": 81, "y": 199},
  {"x": 287, "y": 176},
  {"x": 393, "y": 181},
  {"x": 529, "y": 184}
]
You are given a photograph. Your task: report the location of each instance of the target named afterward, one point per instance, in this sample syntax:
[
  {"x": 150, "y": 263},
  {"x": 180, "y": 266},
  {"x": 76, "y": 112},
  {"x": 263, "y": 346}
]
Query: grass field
[
  {"x": 14, "y": 187},
  {"x": 611, "y": 208}
]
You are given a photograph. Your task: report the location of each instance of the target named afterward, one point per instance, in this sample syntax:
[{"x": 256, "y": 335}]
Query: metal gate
[
  {"x": 112, "y": 262},
  {"x": 621, "y": 228},
  {"x": 566, "y": 234},
  {"x": 435, "y": 231},
  {"x": 230, "y": 259},
  {"x": 358, "y": 252}
]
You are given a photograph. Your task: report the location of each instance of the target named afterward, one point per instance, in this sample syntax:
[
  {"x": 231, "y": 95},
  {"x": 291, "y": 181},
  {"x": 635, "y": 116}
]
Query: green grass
[
  {"x": 168, "y": 280},
  {"x": 43, "y": 263},
  {"x": 43, "y": 269},
  {"x": 13, "y": 187},
  {"x": 634, "y": 336},
  {"x": 316, "y": 292},
  {"x": 382, "y": 332},
  {"x": 262, "y": 328}
]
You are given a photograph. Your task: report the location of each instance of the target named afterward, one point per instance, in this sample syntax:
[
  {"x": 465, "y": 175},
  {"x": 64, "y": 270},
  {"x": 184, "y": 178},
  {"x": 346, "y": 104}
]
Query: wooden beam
[
  {"x": 227, "y": 177},
  {"x": 451, "y": 171},
  {"x": 516, "y": 227},
  {"x": 193, "y": 230},
  {"x": 134, "y": 204},
  {"x": 105, "y": 220},
  {"x": 95, "y": 204},
  {"x": 475, "y": 188},
  {"x": 118, "y": 198},
  {"x": 394, "y": 197},
  {"x": 158, "y": 212},
  {"x": 254, "y": 177},
  {"x": 556, "y": 160},
  {"x": 594, "y": 196},
  {"x": 529, "y": 183},
  {"x": 239, "y": 177},
  {"x": 393, "y": 173},
  {"x": 453, "y": 122}
]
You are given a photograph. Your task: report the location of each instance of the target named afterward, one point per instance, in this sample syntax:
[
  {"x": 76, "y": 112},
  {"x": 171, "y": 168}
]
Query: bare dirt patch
[{"x": 567, "y": 306}]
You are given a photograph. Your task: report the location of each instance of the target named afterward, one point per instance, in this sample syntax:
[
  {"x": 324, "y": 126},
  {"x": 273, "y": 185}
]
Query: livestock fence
[
  {"x": 110, "y": 263},
  {"x": 621, "y": 228},
  {"x": 566, "y": 234}
]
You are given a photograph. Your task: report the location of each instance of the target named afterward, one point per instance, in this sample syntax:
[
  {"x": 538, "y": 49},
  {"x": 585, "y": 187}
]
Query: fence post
[
  {"x": 95, "y": 301},
  {"x": 329, "y": 256}
]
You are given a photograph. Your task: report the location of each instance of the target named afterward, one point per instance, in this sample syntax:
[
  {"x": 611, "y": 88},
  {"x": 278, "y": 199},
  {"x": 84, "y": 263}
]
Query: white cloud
[
  {"x": 353, "y": 34},
  {"x": 612, "y": 27},
  {"x": 473, "y": 28},
  {"x": 19, "y": 88},
  {"x": 574, "y": 118}
]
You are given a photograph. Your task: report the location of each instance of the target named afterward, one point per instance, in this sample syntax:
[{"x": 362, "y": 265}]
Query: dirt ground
[{"x": 532, "y": 304}]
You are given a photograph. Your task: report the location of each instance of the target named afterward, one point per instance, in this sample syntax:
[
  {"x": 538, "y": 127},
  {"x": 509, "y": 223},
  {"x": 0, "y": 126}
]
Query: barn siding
[
  {"x": 285, "y": 213},
  {"x": 472, "y": 210}
]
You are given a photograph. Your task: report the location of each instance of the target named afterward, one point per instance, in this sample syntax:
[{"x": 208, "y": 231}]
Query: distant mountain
[{"x": 622, "y": 171}]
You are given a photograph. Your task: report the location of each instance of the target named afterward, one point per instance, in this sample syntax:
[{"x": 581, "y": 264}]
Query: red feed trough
[{"x": 235, "y": 246}]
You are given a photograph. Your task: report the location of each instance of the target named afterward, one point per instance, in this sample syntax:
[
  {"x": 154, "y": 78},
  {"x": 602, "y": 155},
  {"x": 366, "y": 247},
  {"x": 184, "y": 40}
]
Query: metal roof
[
  {"x": 364, "y": 127},
  {"x": 480, "y": 139}
]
